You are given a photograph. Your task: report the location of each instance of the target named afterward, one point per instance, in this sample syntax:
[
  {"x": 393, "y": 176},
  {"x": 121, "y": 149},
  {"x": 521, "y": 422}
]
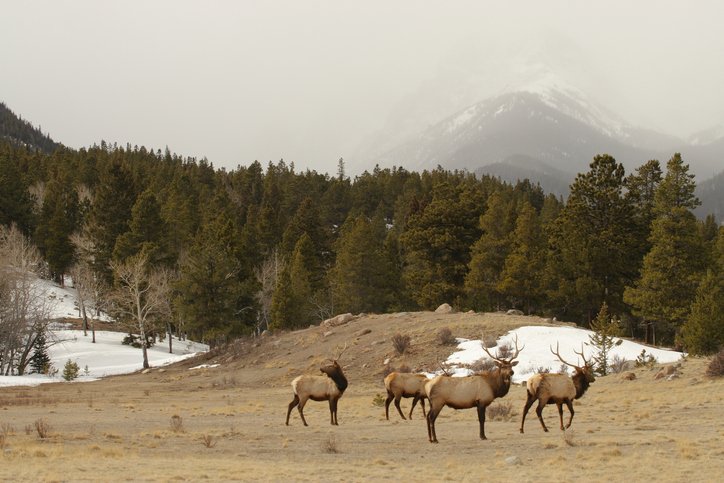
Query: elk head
[
  {"x": 505, "y": 365},
  {"x": 584, "y": 370}
]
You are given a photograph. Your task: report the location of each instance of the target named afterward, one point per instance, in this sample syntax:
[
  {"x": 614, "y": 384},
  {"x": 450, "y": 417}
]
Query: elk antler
[
  {"x": 517, "y": 351},
  {"x": 556, "y": 353},
  {"x": 336, "y": 356}
]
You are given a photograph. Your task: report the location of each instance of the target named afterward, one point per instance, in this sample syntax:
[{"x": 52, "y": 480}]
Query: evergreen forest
[{"x": 168, "y": 244}]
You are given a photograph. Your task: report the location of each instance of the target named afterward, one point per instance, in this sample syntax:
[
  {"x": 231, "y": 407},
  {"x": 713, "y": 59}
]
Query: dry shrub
[
  {"x": 329, "y": 445},
  {"x": 716, "y": 366},
  {"x": 617, "y": 364},
  {"x": 445, "y": 336},
  {"x": 7, "y": 429},
  {"x": 489, "y": 340},
  {"x": 177, "y": 424},
  {"x": 504, "y": 351},
  {"x": 542, "y": 370},
  {"x": 481, "y": 365},
  {"x": 400, "y": 342},
  {"x": 208, "y": 441},
  {"x": 389, "y": 369},
  {"x": 501, "y": 411},
  {"x": 43, "y": 427}
]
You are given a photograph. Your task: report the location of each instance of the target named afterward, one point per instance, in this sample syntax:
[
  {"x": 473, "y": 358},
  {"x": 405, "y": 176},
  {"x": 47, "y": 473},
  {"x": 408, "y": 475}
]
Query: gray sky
[{"x": 308, "y": 81}]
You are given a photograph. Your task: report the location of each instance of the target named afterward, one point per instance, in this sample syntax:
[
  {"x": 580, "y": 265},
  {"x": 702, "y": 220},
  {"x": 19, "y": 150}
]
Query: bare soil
[{"x": 226, "y": 422}]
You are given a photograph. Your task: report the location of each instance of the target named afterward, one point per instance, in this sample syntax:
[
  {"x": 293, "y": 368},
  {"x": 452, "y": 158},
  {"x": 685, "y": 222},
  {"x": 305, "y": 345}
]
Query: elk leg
[
  {"x": 397, "y": 405},
  {"x": 389, "y": 399},
  {"x": 481, "y": 418},
  {"x": 302, "y": 402},
  {"x": 539, "y": 412},
  {"x": 414, "y": 401},
  {"x": 528, "y": 404},
  {"x": 560, "y": 413},
  {"x": 422, "y": 403},
  {"x": 431, "y": 416},
  {"x": 569, "y": 403},
  {"x": 292, "y": 404},
  {"x": 333, "y": 411}
]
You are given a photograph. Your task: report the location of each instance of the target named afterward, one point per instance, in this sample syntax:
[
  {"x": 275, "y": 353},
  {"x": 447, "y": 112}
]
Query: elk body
[
  {"x": 557, "y": 389},
  {"x": 399, "y": 385},
  {"x": 329, "y": 387},
  {"x": 477, "y": 390}
]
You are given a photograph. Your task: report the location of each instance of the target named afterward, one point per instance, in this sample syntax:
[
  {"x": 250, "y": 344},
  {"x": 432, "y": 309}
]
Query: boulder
[
  {"x": 514, "y": 312},
  {"x": 444, "y": 309},
  {"x": 341, "y": 319}
]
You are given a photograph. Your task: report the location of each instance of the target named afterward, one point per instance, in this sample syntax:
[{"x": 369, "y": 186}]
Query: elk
[
  {"x": 557, "y": 389},
  {"x": 477, "y": 390},
  {"x": 399, "y": 385},
  {"x": 329, "y": 387}
]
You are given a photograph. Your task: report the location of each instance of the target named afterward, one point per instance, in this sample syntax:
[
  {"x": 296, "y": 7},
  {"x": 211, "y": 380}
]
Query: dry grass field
[{"x": 226, "y": 423}]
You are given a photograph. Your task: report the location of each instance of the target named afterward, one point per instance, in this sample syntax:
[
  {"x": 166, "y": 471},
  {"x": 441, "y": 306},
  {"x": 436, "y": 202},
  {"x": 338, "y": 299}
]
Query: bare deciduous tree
[
  {"x": 268, "y": 275},
  {"x": 140, "y": 297},
  {"x": 26, "y": 306}
]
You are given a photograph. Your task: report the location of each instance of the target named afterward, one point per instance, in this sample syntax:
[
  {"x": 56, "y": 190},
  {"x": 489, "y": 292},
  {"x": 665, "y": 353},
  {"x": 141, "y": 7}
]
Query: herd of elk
[
  {"x": 329, "y": 387},
  {"x": 399, "y": 385},
  {"x": 476, "y": 390},
  {"x": 557, "y": 389}
]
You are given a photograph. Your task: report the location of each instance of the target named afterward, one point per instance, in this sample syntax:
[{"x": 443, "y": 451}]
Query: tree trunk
[{"x": 169, "y": 335}]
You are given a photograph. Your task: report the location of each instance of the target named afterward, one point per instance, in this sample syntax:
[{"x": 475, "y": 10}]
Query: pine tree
[
  {"x": 16, "y": 204},
  {"x": 605, "y": 329},
  {"x": 522, "y": 277},
  {"x": 292, "y": 301},
  {"x": 593, "y": 255},
  {"x": 40, "y": 362},
  {"x": 361, "y": 277},
  {"x": 677, "y": 260},
  {"x": 703, "y": 331},
  {"x": 438, "y": 244},
  {"x": 489, "y": 252},
  {"x": 147, "y": 233}
]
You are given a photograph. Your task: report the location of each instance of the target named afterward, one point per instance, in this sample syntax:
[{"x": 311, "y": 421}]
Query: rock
[
  {"x": 658, "y": 375},
  {"x": 513, "y": 461},
  {"x": 444, "y": 309},
  {"x": 471, "y": 312},
  {"x": 670, "y": 369},
  {"x": 145, "y": 371},
  {"x": 361, "y": 332},
  {"x": 672, "y": 377},
  {"x": 628, "y": 366},
  {"x": 162, "y": 370},
  {"x": 328, "y": 333},
  {"x": 629, "y": 377},
  {"x": 514, "y": 312},
  {"x": 265, "y": 333},
  {"x": 338, "y": 320},
  {"x": 387, "y": 361}
]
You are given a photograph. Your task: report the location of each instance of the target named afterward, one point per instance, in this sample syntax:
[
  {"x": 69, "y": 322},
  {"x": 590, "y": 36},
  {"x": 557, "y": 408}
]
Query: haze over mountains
[{"x": 535, "y": 118}]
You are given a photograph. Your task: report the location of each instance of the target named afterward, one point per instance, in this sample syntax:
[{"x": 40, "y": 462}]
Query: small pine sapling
[
  {"x": 605, "y": 329},
  {"x": 70, "y": 370}
]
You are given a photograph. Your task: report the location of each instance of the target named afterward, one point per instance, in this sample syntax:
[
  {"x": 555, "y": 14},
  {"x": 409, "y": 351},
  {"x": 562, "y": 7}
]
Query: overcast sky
[{"x": 309, "y": 81}]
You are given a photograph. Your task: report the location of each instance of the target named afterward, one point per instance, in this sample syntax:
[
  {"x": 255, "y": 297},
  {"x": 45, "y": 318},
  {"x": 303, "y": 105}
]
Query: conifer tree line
[{"x": 215, "y": 254}]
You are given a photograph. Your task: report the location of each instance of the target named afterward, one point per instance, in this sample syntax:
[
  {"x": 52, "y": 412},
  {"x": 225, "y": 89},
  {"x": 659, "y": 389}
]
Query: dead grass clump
[
  {"x": 489, "y": 340},
  {"x": 445, "y": 336},
  {"x": 7, "y": 429},
  {"x": 617, "y": 364},
  {"x": 329, "y": 445},
  {"x": 716, "y": 366},
  {"x": 177, "y": 424},
  {"x": 43, "y": 427},
  {"x": 208, "y": 441},
  {"x": 400, "y": 342},
  {"x": 502, "y": 411},
  {"x": 570, "y": 438}
]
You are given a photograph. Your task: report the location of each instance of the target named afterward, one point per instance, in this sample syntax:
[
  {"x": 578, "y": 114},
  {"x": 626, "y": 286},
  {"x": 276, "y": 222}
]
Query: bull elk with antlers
[
  {"x": 329, "y": 387},
  {"x": 477, "y": 390},
  {"x": 557, "y": 389}
]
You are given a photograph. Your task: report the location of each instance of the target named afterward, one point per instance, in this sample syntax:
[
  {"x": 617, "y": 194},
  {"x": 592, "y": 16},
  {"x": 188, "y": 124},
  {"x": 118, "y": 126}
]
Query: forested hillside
[
  {"x": 17, "y": 131},
  {"x": 167, "y": 243}
]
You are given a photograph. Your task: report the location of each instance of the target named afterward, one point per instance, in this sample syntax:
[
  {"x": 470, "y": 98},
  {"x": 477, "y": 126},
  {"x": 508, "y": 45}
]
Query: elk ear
[{"x": 514, "y": 363}]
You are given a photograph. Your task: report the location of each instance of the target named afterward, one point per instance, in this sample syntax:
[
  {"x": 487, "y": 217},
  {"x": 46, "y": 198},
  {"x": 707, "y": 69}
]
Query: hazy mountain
[{"x": 711, "y": 194}]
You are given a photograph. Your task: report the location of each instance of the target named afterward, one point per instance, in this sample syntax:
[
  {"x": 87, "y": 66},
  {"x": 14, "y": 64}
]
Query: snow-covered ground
[
  {"x": 104, "y": 358},
  {"x": 536, "y": 342}
]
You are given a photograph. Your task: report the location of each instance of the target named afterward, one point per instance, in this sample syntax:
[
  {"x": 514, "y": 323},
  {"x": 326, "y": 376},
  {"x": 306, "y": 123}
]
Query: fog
[{"x": 315, "y": 81}]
